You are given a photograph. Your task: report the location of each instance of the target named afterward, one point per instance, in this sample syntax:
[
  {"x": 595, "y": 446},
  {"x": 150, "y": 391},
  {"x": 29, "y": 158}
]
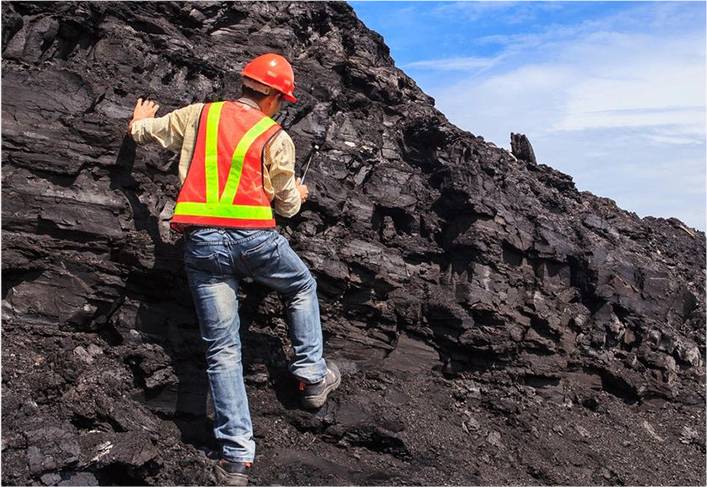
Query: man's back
[
  {"x": 178, "y": 129},
  {"x": 224, "y": 184}
]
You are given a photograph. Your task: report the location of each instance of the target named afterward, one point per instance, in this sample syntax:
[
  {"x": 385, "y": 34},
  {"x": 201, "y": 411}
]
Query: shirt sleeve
[
  {"x": 168, "y": 130},
  {"x": 280, "y": 159}
]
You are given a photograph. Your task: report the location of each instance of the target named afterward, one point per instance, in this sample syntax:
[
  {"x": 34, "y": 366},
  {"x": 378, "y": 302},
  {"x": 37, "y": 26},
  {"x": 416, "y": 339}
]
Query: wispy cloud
[
  {"x": 589, "y": 79},
  {"x": 453, "y": 64}
]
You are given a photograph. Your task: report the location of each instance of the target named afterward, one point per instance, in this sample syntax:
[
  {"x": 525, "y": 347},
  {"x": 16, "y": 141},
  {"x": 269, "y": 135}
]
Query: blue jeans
[{"x": 215, "y": 260}]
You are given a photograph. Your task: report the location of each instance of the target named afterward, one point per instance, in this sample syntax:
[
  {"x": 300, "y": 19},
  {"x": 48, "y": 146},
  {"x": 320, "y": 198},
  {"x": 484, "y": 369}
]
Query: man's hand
[
  {"x": 143, "y": 109},
  {"x": 302, "y": 188}
]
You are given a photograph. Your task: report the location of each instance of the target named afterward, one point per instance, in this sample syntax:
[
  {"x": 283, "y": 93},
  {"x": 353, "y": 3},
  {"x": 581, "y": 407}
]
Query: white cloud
[
  {"x": 453, "y": 64},
  {"x": 636, "y": 80}
]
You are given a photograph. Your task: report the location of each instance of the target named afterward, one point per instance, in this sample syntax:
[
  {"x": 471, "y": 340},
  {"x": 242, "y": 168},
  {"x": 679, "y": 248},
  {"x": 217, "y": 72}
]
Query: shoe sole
[
  {"x": 318, "y": 401},
  {"x": 225, "y": 478}
]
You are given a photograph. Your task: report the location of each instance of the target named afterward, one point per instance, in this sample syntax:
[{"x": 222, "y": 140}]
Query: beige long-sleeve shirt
[{"x": 177, "y": 130}]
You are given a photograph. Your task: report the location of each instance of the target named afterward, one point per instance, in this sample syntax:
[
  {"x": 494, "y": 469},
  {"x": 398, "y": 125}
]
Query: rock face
[
  {"x": 494, "y": 324},
  {"x": 521, "y": 148}
]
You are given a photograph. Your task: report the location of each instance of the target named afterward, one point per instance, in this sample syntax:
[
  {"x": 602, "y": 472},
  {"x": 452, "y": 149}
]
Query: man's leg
[
  {"x": 276, "y": 265},
  {"x": 215, "y": 293}
]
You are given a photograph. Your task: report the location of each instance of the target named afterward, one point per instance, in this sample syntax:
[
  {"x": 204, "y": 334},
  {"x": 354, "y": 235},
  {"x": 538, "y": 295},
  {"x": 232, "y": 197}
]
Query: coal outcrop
[
  {"x": 522, "y": 149},
  {"x": 494, "y": 324}
]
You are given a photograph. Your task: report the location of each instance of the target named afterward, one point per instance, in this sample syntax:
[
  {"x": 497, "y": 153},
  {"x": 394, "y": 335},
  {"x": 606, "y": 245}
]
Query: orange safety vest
[{"x": 224, "y": 184}]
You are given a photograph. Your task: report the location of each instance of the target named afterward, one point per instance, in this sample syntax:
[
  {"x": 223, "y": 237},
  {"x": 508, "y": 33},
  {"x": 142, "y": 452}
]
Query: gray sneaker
[
  {"x": 315, "y": 395},
  {"x": 231, "y": 473}
]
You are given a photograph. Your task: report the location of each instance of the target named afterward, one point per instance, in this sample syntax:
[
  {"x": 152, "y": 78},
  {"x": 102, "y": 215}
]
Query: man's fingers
[
  {"x": 144, "y": 108},
  {"x": 146, "y": 103}
]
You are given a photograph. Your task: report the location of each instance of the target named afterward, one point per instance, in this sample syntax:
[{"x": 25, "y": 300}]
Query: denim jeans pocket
[
  {"x": 204, "y": 258},
  {"x": 262, "y": 255}
]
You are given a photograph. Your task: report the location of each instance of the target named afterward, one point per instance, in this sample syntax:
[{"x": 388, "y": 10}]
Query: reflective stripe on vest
[{"x": 224, "y": 206}]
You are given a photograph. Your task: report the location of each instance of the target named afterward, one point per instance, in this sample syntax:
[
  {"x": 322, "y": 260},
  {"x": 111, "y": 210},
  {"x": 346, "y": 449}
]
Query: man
[{"x": 236, "y": 161}]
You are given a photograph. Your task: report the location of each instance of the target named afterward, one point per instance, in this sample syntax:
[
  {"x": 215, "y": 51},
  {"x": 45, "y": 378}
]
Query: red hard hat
[{"x": 272, "y": 70}]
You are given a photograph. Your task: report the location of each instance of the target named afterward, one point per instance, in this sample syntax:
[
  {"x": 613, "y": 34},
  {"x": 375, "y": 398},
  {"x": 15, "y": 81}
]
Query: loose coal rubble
[{"x": 494, "y": 324}]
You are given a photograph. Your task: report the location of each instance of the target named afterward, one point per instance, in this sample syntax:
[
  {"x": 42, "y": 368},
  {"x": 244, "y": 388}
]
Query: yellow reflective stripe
[
  {"x": 223, "y": 210},
  {"x": 211, "y": 159},
  {"x": 234, "y": 174}
]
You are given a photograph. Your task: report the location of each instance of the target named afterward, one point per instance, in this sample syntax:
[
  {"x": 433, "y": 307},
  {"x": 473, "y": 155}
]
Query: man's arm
[
  {"x": 168, "y": 130},
  {"x": 289, "y": 194}
]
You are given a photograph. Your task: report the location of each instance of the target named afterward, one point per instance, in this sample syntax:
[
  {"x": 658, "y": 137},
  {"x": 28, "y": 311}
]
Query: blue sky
[{"x": 612, "y": 93}]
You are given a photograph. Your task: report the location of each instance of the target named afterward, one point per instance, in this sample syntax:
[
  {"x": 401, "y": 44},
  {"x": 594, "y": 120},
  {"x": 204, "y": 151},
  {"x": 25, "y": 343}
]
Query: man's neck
[{"x": 249, "y": 101}]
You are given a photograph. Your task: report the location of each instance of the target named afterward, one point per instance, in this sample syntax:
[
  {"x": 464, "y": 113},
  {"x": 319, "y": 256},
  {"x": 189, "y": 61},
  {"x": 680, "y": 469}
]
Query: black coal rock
[
  {"x": 522, "y": 149},
  {"x": 478, "y": 303}
]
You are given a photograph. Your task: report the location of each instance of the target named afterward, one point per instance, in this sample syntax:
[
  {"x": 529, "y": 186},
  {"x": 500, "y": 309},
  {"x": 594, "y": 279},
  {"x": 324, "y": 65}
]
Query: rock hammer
[{"x": 309, "y": 160}]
